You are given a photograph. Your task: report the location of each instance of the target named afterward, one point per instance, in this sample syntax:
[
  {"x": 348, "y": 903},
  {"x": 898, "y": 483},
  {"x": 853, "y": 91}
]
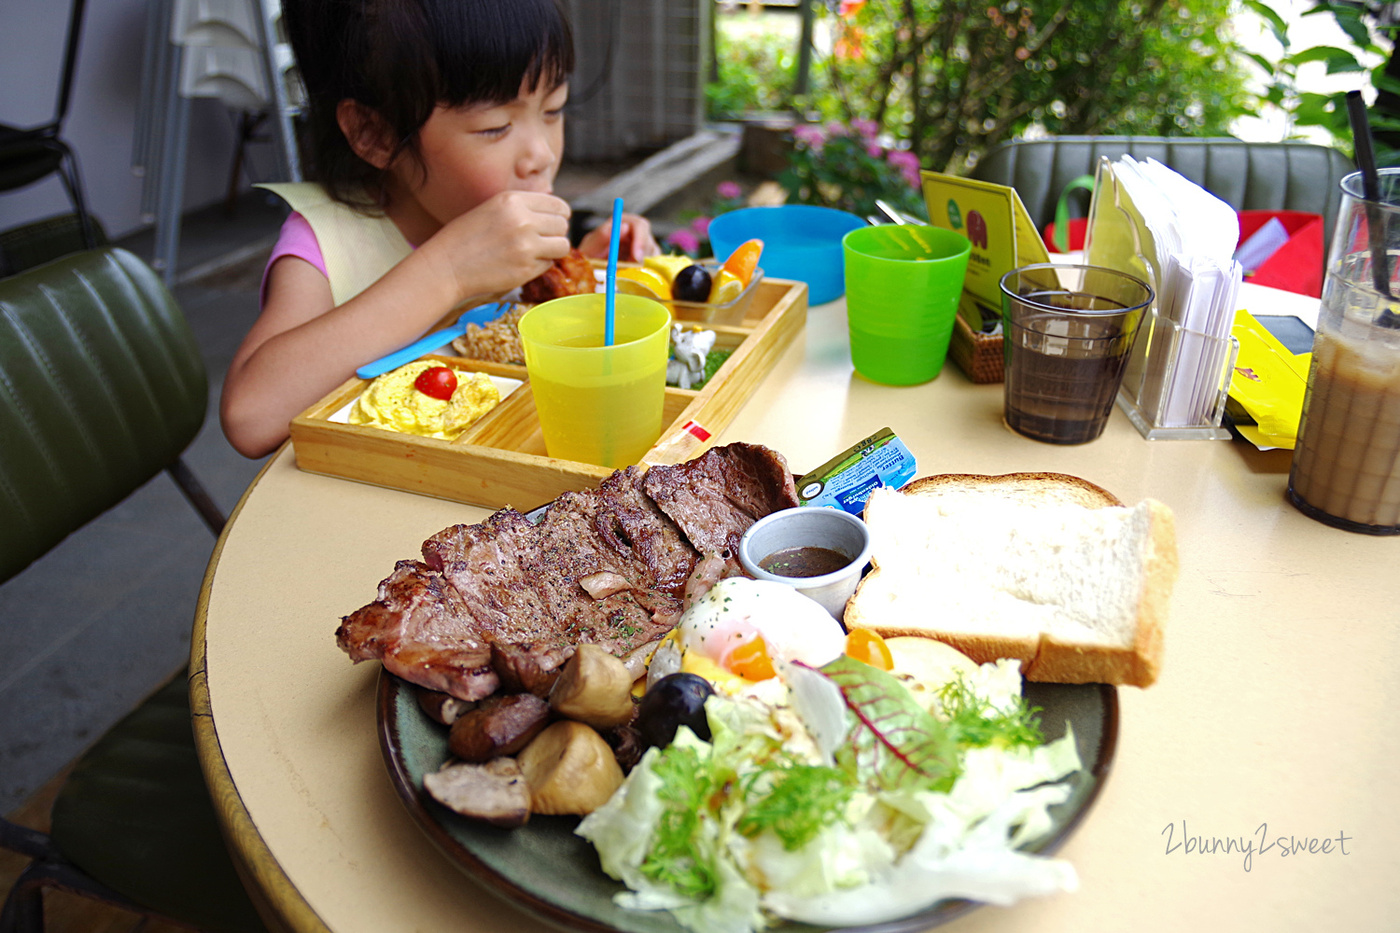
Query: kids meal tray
[{"x": 500, "y": 460}]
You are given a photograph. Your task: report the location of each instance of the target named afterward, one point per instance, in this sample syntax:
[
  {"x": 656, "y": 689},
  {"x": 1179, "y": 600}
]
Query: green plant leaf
[
  {"x": 1271, "y": 17},
  {"x": 892, "y": 738}
]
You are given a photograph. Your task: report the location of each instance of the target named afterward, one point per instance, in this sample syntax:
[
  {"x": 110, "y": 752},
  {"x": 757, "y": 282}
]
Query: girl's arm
[{"x": 302, "y": 346}]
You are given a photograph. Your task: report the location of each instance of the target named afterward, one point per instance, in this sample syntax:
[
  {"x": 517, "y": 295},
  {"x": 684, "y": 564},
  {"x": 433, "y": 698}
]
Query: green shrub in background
[
  {"x": 949, "y": 79},
  {"x": 756, "y": 73},
  {"x": 953, "y": 78}
]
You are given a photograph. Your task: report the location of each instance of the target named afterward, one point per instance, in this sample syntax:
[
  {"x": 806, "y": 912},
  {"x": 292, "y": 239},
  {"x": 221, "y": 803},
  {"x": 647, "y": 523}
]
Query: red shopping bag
[
  {"x": 1296, "y": 266},
  {"x": 1078, "y": 228}
]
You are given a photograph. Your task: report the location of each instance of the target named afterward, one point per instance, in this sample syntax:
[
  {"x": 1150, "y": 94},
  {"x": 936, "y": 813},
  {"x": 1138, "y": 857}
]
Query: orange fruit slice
[
  {"x": 726, "y": 288},
  {"x": 744, "y": 260},
  {"x": 645, "y": 282}
]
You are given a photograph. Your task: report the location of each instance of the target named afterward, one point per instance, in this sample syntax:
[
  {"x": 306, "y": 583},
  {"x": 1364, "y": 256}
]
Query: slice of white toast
[{"x": 1043, "y": 567}]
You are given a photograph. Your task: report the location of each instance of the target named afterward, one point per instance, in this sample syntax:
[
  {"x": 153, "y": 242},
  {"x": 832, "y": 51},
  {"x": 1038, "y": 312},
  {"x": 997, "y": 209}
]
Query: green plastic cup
[
  {"x": 597, "y": 404},
  {"x": 903, "y": 282}
]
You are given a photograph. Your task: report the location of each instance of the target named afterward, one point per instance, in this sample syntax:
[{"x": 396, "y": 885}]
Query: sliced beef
[
  {"x": 630, "y": 521},
  {"x": 716, "y": 497},
  {"x": 507, "y": 582},
  {"x": 421, "y": 629}
]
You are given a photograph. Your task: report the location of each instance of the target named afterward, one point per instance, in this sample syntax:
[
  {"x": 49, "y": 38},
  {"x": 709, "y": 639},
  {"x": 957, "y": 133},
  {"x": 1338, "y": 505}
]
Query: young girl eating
[{"x": 436, "y": 129}]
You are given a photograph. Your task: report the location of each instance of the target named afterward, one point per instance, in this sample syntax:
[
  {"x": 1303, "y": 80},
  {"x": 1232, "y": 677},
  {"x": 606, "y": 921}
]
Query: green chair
[
  {"x": 101, "y": 388},
  {"x": 40, "y": 241},
  {"x": 1274, "y": 176}
]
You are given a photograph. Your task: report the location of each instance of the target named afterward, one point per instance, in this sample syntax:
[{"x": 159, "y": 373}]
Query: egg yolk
[
  {"x": 867, "y": 646},
  {"x": 750, "y": 660}
]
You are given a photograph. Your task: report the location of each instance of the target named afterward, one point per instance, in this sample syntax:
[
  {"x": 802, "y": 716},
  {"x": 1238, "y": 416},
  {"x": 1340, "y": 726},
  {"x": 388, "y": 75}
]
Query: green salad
[{"x": 843, "y": 799}]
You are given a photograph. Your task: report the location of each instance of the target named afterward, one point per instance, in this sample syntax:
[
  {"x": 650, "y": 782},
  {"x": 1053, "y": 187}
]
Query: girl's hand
[
  {"x": 635, "y": 243},
  {"x": 503, "y": 243}
]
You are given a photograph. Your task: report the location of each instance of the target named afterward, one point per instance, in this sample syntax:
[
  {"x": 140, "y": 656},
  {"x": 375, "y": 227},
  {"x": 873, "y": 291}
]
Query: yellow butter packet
[{"x": 1269, "y": 381}]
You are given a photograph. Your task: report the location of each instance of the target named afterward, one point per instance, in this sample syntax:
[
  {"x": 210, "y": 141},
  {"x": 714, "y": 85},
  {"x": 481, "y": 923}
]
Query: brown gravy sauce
[{"x": 806, "y": 561}]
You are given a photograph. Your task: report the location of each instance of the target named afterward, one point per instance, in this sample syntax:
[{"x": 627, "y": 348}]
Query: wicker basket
[{"x": 977, "y": 354}]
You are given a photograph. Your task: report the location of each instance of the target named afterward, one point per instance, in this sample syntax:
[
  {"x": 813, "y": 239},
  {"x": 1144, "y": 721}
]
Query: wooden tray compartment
[{"x": 501, "y": 461}]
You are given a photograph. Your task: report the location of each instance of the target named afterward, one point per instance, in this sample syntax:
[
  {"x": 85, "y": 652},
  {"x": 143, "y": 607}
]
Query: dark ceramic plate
[{"x": 545, "y": 869}]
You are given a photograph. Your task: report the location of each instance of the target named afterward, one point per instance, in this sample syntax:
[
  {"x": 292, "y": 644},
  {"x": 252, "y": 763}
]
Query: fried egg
[{"x": 737, "y": 611}]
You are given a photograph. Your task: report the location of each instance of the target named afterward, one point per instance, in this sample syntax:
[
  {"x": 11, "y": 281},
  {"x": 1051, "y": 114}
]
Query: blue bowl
[{"x": 800, "y": 242}]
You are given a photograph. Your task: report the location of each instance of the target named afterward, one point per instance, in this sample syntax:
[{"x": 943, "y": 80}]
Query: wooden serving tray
[{"x": 500, "y": 460}]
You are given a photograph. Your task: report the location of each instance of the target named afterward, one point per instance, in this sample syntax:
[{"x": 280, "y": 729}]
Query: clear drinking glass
[{"x": 1067, "y": 331}]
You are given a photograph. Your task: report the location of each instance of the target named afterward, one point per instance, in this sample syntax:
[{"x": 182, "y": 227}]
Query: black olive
[
  {"x": 692, "y": 284},
  {"x": 673, "y": 701}
]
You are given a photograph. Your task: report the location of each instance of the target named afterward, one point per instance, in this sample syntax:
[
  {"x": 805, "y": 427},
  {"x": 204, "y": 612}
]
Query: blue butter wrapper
[{"x": 846, "y": 480}]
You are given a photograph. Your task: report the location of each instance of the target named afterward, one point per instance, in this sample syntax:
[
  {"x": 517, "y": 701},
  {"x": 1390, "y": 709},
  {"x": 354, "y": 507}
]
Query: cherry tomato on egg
[
  {"x": 439, "y": 382},
  {"x": 865, "y": 645},
  {"x": 750, "y": 660}
]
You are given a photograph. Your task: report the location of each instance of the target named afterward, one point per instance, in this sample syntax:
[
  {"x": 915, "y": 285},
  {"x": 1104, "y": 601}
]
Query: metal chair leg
[
  {"x": 24, "y": 907},
  {"x": 73, "y": 181},
  {"x": 199, "y": 497}
]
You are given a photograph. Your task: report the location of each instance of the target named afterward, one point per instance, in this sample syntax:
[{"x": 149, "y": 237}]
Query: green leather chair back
[
  {"x": 1293, "y": 176},
  {"x": 101, "y": 388}
]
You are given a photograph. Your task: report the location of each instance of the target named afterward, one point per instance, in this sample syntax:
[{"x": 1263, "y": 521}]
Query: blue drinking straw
[{"x": 610, "y": 285}]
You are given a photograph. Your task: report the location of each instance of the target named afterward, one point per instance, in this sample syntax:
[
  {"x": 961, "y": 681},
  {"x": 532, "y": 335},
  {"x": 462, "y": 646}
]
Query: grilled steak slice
[
  {"x": 486, "y": 563},
  {"x": 716, "y": 497},
  {"x": 570, "y": 547},
  {"x": 630, "y": 521},
  {"x": 420, "y": 628},
  {"x": 506, "y": 582}
]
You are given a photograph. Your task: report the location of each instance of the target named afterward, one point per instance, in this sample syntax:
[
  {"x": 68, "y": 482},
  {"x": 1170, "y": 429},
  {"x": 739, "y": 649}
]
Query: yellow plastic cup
[{"x": 598, "y": 404}]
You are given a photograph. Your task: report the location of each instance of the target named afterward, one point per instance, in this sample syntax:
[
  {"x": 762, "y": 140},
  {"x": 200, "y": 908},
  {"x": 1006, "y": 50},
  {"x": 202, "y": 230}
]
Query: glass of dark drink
[
  {"x": 1067, "y": 333},
  {"x": 1346, "y": 463}
]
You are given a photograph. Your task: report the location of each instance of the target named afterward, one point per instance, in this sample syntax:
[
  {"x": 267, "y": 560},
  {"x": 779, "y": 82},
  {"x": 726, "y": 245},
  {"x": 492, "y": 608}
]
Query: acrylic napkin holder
[{"x": 1178, "y": 381}]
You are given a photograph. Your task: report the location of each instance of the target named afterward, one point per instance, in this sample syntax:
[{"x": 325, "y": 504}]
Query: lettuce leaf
[{"x": 894, "y": 742}]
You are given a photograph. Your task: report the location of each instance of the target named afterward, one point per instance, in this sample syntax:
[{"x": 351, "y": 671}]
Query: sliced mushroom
[
  {"x": 499, "y": 726},
  {"x": 570, "y": 769},
  {"x": 595, "y": 687},
  {"x": 442, "y": 707},
  {"x": 528, "y": 668},
  {"x": 496, "y": 792}
]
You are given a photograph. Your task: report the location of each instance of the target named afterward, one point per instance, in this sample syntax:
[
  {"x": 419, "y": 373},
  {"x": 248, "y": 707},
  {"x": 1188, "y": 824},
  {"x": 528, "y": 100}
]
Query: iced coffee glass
[{"x": 1346, "y": 465}]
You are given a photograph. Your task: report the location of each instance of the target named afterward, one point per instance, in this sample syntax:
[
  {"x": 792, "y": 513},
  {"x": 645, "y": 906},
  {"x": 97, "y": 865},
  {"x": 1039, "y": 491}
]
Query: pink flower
[
  {"x": 729, "y": 189},
  {"x": 685, "y": 240},
  {"x": 907, "y": 163},
  {"x": 701, "y": 226},
  {"x": 836, "y": 129},
  {"x": 810, "y": 135},
  {"x": 873, "y": 150},
  {"x": 866, "y": 128}
]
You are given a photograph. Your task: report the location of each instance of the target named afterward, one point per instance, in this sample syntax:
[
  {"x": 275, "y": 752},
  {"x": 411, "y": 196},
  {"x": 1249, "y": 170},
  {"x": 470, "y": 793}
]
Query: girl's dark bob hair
[{"x": 402, "y": 58}]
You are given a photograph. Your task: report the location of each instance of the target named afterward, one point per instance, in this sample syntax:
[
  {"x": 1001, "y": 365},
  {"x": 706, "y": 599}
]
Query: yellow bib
[{"x": 357, "y": 248}]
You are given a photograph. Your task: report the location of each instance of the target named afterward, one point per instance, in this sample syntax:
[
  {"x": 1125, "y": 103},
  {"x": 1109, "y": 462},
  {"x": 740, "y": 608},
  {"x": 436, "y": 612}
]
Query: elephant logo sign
[{"x": 977, "y": 229}]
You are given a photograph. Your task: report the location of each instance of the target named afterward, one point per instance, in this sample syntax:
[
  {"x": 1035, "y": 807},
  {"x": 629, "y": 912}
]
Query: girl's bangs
[{"x": 486, "y": 50}]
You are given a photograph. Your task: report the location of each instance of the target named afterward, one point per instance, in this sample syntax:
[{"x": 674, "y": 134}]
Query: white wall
[{"x": 102, "y": 117}]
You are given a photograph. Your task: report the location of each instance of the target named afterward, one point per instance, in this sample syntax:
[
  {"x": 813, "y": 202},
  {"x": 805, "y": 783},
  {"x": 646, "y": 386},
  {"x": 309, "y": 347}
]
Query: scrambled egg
[{"x": 393, "y": 403}]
